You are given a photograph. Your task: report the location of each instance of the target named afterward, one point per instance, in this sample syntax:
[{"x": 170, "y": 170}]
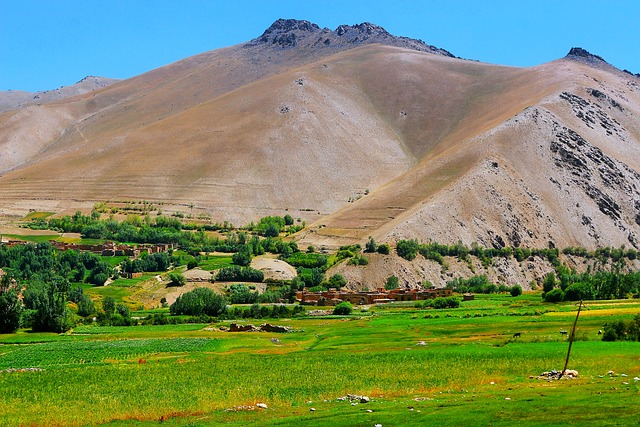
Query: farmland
[{"x": 418, "y": 366}]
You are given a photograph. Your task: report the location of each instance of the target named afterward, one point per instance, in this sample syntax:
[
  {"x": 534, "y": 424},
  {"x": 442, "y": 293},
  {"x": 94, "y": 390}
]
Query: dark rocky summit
[{"x": 290, "y": 33}]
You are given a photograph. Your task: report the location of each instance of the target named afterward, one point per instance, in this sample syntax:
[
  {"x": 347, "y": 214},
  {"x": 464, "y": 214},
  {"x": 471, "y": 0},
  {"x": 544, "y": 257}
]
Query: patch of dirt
[{"x": 274, "y": 268}]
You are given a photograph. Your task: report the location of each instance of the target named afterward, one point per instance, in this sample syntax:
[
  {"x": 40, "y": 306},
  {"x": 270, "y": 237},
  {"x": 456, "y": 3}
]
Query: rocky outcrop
[{"x": 291, "y": 33}]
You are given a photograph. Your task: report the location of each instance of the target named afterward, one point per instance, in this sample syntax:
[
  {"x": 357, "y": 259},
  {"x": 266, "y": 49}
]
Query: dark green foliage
[
  {"x": 476, "y": 284},
  {"x": 256, "y": 311},
  {"x": 371, "y": 246},
  {"x": 243, "y": 256},
  {"x": 344, "y": 308},
  {"x": 579, "y": 291},
  {"x": 108, "y": 305},
  {"x": 392, "y": 283},
  {"x": 49, "y": 300},
  {"x": 199, "y": 301},
  {"x": 439, "y": 303},
  {"x": 177, "y": 278},
  {"x": 549, "y": 282},
  {"x": 147, "y": 262},
  {"x": 241, "y": 294},
  {"x": 76, "y": 294},
  {"x": 384, "y": 249},
  {"x": 85, "y": 306},
  {"x": 515, "y": 291},
  {"x": 359, "y": 260},
  {"x": 623, "y": 331},
  {"x": 554, "y": 295},
  {"x": 288, "y": 219},
  {"x": 407, "y": 249},
  {"x": 10, "y": 310},
  {"x": 307, "y": 260},
  {"x": 337, "y": 281},
  {"x": 239, "y": 274},
  {"x": 270, "y": 226}
]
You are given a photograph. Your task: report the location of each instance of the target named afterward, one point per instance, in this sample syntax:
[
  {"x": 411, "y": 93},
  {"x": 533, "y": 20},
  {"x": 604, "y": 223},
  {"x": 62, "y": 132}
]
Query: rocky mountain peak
[
  {"x": 292, "y": 33},
  {"x": 582, "y": 55}
]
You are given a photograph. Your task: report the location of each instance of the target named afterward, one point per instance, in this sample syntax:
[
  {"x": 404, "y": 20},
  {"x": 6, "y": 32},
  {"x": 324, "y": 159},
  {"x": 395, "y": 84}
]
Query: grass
[
  {"x": 37, "y": 215},
  {"x": 36, "y": 238},
  {"x": 215, "y": 262},
  {"x": 471, "y": 371}
]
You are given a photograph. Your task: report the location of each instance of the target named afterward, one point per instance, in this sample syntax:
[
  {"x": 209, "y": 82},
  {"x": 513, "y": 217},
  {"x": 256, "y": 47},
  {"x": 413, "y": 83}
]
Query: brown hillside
[{"x": 361, "y": 132}]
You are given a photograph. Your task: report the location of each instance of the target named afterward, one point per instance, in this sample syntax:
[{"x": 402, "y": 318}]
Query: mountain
[
  {"x": 12, "y": 99},
  {"x": 358, "y": 132}
]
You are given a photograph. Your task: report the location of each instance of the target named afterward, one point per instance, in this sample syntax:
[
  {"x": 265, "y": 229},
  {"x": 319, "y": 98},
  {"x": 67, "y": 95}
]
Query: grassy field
[{"x": 419, "y": 367}]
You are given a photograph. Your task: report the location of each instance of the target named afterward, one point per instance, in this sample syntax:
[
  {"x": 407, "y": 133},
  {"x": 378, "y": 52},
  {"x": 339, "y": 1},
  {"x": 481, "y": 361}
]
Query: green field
[{"x": 419, "y": 367}]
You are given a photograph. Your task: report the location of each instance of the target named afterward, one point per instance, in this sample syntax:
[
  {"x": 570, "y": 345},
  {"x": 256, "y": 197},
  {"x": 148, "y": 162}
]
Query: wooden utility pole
[{"x": 571, "y": 337}]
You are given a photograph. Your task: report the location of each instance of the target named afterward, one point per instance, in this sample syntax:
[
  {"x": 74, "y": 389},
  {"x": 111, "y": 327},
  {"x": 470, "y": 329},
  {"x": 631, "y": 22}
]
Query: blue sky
[{"x": 45, "y": 44}]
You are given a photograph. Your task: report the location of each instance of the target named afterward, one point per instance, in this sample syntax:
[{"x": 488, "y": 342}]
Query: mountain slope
[{"x": 361, "y": 132}]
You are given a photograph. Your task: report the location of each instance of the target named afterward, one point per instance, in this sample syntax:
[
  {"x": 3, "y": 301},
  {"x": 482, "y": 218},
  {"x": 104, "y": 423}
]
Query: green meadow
[{"x": 418, "y": 367}]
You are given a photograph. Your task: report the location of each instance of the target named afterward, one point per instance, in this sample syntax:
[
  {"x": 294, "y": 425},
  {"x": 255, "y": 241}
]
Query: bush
[
  {"x": 85, "y": 306},
  {"x": 384, "y": 249},
  {"x": 177, "y": 279},
  {"x": 235, "y": 273},
  {"x": 392, "y": 283},
  {"x": 199, "y": 301},
  {"x": 516, "y": 291},
  {"x": 554, "y": 295},
  {"x": 344, "y": 308},
  {"x": 407, "y": 249},
  {"x": 579, "y": 291},
  {"x": 10, "y": 310}
]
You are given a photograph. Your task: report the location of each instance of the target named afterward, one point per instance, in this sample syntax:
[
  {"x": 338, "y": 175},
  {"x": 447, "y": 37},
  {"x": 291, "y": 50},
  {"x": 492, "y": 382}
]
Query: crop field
[{"x": 418, "y": 367}]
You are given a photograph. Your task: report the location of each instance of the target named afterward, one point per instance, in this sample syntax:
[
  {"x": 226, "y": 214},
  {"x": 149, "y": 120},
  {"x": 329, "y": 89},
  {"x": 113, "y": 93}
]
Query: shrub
[
  {"x": 85, "y": 306},
  {"x": 10, "y": 310},
  {"x": 177, "y": 279},
  {"x": 384, "y": 249},
  {"x": 235, "y": 273},
  {"x": 199, "y": 301},
  {"x": 343, "y": 308},
  {"x": 392, "y": 283},
  {"x": 407, "y": 249},
  {"x": 579, "y": 291},
  {"x": 516, "y": 291},
  {"x": 554, "y": 295}
]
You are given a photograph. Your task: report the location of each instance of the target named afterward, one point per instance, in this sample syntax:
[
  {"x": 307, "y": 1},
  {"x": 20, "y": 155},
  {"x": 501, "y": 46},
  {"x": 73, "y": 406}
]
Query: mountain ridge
[{"x": 358, "y": 138}]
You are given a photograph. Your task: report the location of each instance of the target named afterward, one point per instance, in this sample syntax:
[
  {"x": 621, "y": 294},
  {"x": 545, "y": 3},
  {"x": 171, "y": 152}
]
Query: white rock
[
  {"x": 261, "y": 405},
  {"x": 507, "y": 398},
  {"x": 312, "y": 409}
]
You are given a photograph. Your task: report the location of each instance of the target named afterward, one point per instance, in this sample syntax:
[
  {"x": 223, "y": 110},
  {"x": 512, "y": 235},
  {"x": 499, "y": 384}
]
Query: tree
[
  {"x": 199, "y": 301},
  {"x": 407, "y": 249},
  {"x": 371, "y": 246},
  {"x": 554, "y": 295},
  {"x": 85, "y": 306},
  {"x": 344, "y": 308},
  {"x": 384, "y": 249},
  {"x": 392, "y": 283},
  {"x": 549, "y": 282},
  {"x": 243, "y": 256},
  {"x": 337, "y": 281},
  {"x": 288, "y": 220},
  {"x": 49, "y": 300},
  {"x": 10, "y": 310},
  {"x": 516, "y": 290},
  {"x": 177, "y": 279},
  {"x": 109, "y": 306}
]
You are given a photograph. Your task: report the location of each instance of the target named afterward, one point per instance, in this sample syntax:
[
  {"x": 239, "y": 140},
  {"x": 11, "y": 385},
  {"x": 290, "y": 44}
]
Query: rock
[
  {"x": 364, "y": 399},
  {"x": 234, "y": 327},
  {"x": 421, "y": 343},
  {"x": 266, "y": 327},
  {"x": 312, "y": 409},
  {"x": 261, "y": 405}
]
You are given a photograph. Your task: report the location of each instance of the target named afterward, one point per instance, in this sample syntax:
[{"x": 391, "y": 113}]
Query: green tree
[
  {"x": 10, "y": 310},
  {"x": 516, "y": 290},
  {"x": 407, "y": 249},
  {"x": 177, "y": 278},
  {"x": 288, "y": 220},
  {"x": 199, "y": 301},
  {"x": 109, "y": 306},
  {"x": 384, "y": 249},
  {"x": 85, "y": 306},
  {"x": 371, "y": 246},
  {"x": 243, "y": 256},
  {"x": 554, "y": 295},
  {"x": 392, "y": 283},
  {"x": 337, "y": 281},
  {"x": 344, "y": 308},
  {"x": 549, "y": 282}
]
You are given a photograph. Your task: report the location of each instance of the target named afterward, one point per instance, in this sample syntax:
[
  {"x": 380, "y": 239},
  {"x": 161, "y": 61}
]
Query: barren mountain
[{"x": 358, "y": 131}]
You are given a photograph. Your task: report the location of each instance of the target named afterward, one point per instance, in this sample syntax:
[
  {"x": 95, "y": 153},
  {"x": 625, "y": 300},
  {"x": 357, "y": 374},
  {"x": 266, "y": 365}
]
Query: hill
[{"x": 359, "y": 132}]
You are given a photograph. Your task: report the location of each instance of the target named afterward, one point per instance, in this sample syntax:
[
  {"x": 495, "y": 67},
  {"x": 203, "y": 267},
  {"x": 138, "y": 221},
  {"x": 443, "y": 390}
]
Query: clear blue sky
[{"x": 45, "y": 44}]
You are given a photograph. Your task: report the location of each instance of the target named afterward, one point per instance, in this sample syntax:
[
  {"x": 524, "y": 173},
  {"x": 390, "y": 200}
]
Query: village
[{"x": 380, "y": 296}]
